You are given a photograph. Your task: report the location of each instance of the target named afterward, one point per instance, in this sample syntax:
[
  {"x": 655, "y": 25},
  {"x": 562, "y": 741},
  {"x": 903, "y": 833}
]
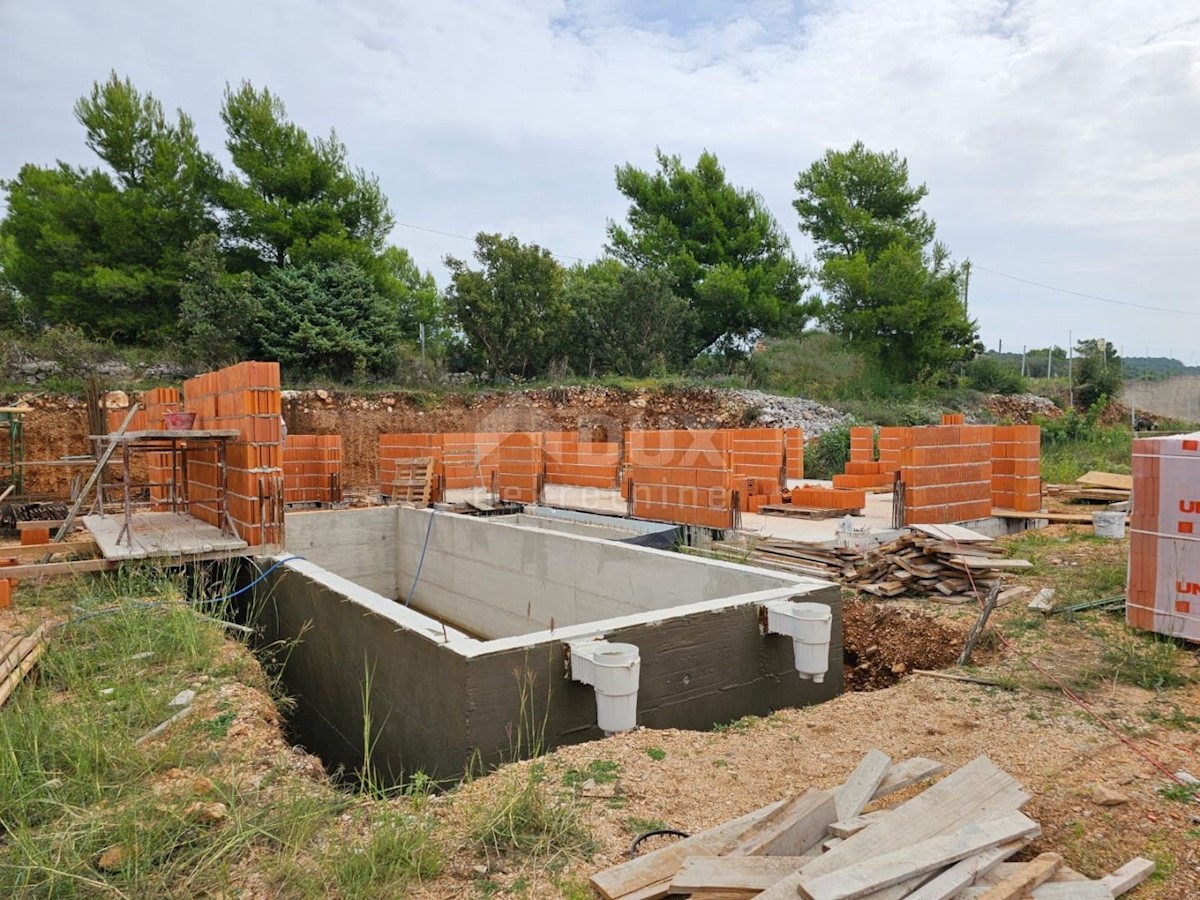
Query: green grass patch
[
  {"x": 656, "y": 753},
  {"x": 600, "y": 771},
  {"x": 525, "y": 818}
]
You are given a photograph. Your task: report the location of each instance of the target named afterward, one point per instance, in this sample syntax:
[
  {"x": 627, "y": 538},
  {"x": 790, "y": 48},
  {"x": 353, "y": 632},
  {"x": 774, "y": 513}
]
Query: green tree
[
  {"x": 415, "y": 299},
  {"x": 294, "y": 199},
  {"x": 105, "y": 251},
  {"x": 512, "y": 310},
  {"x": 722, "y": 249},
  {"x": 325, "y": 319},
  {"x": 890, "y": 289},
  {"x": 215, "y": 306},
  {"x": 1097, "y": 372},
  {"x": 624, "y": 321}
]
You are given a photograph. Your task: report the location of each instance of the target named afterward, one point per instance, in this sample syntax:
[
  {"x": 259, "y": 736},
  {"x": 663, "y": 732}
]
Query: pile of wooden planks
[
  {"x": 1094, "y": 487},
  {"x": 949, "y": 841},
  {"x": 916, "y": 564},
  {"x": 18, "y": 654}
]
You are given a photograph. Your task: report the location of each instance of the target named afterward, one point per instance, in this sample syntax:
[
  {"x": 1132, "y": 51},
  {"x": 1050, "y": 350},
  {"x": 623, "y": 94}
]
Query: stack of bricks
[
  {"x": 396, "y": 447},
  {"x": 312, "y": 468},
  {"x": 1163, "y": 591},
  {"x": 757, "y": 458},
  {"x": 794, "y": 446},
  {"x": 520, "y": 462},
  {"x": 1017, "y": 467},
  {"x": 244, "y": 397},
  {"x": 581, "y": 463},
  {"x": 947, "y": 474},
  {"x": 819, "y": 497},
  {"x": 954, "y": 419},
  {"x": 680, "y": 476}
]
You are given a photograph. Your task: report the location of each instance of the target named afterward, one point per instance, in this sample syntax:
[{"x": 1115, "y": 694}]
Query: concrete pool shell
[{"x": 475, "y": 668}]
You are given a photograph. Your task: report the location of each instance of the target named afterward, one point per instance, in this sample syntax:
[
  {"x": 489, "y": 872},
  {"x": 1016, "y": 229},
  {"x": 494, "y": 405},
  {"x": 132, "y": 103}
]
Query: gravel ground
[{"x": 791, "y": 412}]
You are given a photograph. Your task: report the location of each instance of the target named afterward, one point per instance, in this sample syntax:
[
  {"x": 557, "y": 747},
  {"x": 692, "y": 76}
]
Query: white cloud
[{"x": 1058, "y": 139}]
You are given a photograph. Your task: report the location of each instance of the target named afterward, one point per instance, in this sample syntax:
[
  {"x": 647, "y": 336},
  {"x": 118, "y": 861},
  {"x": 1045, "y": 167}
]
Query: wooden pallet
[
  {"x": 413, "y": 481},
  {"x": 806, "y": 512}
]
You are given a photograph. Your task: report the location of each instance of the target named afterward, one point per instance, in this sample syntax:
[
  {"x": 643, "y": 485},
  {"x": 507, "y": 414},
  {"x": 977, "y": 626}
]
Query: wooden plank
[
  {"x": 701, "y": 876},
  {"x": 978, "y": 791},
  {"x": 1037, "y": 871},
  {"x": 987, "y": 562},
  {"x": 847, "y": 827},
  {"x": 905, "y": 863},
  {"x": 1128, "y": 876},
  {"x": 964, "y": 873},
  {"x": 955, "y": 533},
  {"x": 798, "y": 825},
  {"x": 78, "y": 567},
  {"x": 1051, "y": 890},
  {"x": 1106, "y": 480},
  {"x": 32, "y": 551},
  {"x": 649, "y": 877},
  {"x": 860, "y": 787},
  {"x": 907, "y": 773},
  {"x": 25, "y": 525}
]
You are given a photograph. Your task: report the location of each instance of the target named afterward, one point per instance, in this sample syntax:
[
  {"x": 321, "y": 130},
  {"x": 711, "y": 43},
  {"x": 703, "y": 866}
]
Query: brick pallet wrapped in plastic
[{"x": 1163, "y": 593}]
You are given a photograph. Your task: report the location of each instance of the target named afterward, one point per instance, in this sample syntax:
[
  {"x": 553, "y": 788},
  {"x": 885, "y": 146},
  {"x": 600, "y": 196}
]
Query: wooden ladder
[{"x": 413, "y": 481}]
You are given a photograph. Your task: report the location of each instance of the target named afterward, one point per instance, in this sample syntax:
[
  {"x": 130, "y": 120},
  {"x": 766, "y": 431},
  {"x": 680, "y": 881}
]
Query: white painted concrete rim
[{"x": 466, "y": 646}]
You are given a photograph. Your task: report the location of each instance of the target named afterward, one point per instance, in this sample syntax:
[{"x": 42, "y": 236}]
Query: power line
[
  {"x": 463, "y": 237},
  {"x": 1050, "y": 287}
]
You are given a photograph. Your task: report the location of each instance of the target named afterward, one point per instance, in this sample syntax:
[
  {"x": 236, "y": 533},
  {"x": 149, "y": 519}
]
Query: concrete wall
[
  {"x": 495, "y": 580},
  {"x": 357, "y": 544},
  {"x": 439, "y": 698}
]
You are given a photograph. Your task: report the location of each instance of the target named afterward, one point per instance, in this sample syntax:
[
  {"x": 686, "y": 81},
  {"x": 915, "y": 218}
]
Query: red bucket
[{"x": 179, "y": 421}]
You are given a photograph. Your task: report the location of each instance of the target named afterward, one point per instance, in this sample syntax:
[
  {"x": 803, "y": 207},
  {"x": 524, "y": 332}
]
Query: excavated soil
[{"x": 882, "y": 642}]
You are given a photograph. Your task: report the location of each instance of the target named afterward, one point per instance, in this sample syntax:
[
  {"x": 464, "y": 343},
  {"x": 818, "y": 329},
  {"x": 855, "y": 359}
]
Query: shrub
[
  {"x": 992, "y": 376},
  {"x": 827, "y": 454}
]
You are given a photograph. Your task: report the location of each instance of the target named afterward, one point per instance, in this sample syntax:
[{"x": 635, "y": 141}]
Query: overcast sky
[{"x": 1059, "y": 139}]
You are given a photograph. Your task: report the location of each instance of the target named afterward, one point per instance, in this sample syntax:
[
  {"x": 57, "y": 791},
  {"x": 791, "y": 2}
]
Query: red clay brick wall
[
  {"x": 862, "y": 443},
  {"x": 681, "y": 476},
  {"x": 794, "y": 439},
  {"x": 470, "y": 459},
  {"x": 312, "y": 468},
  {"x": 757, "y": 458},
  {"x": 520, "y": 461},
  {"x": 947, "y": 473},
  {"x": 891, "y": 441},
  {"x": 1017, "y": 467},
  {"x": 245, "y": 397},
  {"x": 585, "y": 464},
  {"x": 393, "y": 447}
]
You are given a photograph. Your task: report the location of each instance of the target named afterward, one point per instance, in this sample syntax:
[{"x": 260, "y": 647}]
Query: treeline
[{"x": 286, "y": 256}]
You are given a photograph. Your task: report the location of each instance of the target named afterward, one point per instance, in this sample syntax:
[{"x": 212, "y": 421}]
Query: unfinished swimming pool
[{"x": 470, "y": 639}]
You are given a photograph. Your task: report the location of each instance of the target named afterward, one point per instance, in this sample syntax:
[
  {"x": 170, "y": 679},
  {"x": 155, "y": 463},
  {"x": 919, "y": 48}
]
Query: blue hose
[
  {"x": 421, "y": 562},
  {"x": 229, "y": 596}
]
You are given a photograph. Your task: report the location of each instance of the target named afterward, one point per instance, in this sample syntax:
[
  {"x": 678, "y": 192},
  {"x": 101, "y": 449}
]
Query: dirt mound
[
  {"x": 883, "y": 641},
  {"x": 1021, "y": 409}
]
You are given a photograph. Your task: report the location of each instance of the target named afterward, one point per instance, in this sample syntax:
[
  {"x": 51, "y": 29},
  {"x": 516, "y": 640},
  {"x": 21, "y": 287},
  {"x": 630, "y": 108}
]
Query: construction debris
[
  {"x": 950, "y": 841},
  {"x": 914, "y": 564},
  {"x": 18, "y": 655},
  {"x": 1094, "y": 487}
]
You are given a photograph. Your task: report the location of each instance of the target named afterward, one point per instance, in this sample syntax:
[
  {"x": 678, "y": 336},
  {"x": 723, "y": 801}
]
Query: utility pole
[
  {"x": 967, "y": 287},
  {"x": 1070, "y": 370},
  {"x": 1049, "y": 361},
  {"x": 1023, "y": 349}
]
